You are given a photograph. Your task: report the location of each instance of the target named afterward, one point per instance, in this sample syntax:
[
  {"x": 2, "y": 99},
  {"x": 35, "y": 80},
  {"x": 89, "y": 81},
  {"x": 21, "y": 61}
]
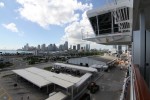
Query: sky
[{"x": 45, "y": 22}]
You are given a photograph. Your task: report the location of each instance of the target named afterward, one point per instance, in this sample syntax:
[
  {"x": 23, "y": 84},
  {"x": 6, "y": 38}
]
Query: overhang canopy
[
  {"x": 88, "y": 69},
  {"x": 57, "y": 96},
  {"x": 32, "y": 77},
  {"x": 112, "y": 39},
  {"x": 42, "y": 77}
]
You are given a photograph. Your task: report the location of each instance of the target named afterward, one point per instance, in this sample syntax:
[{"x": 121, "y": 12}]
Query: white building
[
  {"x": 43, "y": 47},
  {"x": 91, "y": 60}
]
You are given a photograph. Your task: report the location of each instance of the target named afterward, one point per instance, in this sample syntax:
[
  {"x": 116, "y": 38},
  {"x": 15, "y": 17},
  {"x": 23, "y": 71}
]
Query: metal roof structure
[
  {"x": 88, "y": 69},
  {"x": 46, "y": 74},
  {"x": 41, "y": 77},
  {"x": 32, "y": 77},
  {"x": 57, "y": 96},
  {"x": 83, "y": 79}
]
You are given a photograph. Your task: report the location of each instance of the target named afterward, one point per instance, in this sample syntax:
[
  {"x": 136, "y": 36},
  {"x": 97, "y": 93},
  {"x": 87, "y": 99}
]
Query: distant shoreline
[{"x": 14, "y": 51}]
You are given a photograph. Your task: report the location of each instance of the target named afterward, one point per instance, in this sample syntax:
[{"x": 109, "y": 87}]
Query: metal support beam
[
  {"x": 47, "y": 88},
  {"x": 54, "y": 87},
  {"x": 142, "y": 43},
  {"x": 72, "y": 93},
  {"x": 97, "y": 25},
  {"x": 112, "y": 23}
]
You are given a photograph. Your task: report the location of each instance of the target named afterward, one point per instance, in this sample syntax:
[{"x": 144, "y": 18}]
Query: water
[{"x": 14, "y": 51}]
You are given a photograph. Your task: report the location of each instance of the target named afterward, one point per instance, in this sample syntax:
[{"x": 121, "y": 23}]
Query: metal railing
[
  {"x": 116, "y": 1},
  {"x": 138, "y": 87},
  {"x": 125, "y": 87},
  {"x": 132, "y": 86}
]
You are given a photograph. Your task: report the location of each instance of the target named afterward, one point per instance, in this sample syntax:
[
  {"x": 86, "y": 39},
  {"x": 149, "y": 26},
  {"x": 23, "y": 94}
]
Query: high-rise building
[
  {"x": 50, "y": 47},
  {"x": 66, "y": 45},
  {"x": 43, "y": 47},
  {"x": 26, "y": 47},
  {"x": 61, "y": 47},
  {"x": 78, "y": 46},
  {"x": 84, "y": 48},
  {"x": 87, "y": 47},
  {"x": 38, "y": 47},
  {"x": 70, "y": 46},
  {"x": 74, "y": 47},
  {"x": 54, "y": 47}
]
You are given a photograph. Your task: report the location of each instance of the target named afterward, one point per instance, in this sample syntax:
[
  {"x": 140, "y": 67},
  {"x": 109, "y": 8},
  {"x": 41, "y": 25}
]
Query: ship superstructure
[{"x": 127, "y": 22}]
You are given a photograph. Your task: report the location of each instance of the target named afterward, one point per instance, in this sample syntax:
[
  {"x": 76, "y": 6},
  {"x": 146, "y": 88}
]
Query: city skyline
[
  {"x": 26, "y": 22},
  {"x": 52, "y": 47}
]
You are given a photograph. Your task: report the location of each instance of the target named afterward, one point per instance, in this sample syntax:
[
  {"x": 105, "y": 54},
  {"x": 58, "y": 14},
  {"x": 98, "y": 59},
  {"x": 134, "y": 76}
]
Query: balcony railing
[
  {"x": 135, "y": 87},
  {"x": 138, "y": 89}
]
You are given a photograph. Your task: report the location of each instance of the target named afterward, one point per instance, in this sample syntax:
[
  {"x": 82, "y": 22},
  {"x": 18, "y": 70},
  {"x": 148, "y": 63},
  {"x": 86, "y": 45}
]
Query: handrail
[
  {"x": 124, "y": 90},
  {"x": 132, "y": 90},
  {"x": 139, "y": 88}
]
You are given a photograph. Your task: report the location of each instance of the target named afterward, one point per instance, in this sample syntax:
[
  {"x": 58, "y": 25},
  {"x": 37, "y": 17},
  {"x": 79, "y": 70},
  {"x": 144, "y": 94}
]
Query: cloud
[
  {"x": 11, "y": 26},
  {"x": 77, "y": 30},
  {"x": 51, "y": 12},
  {"x": 1, "y": 5}
]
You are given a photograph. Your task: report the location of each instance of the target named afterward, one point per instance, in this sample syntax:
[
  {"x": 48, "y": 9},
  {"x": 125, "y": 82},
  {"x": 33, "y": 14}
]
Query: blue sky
[{"x": 43, "y": 21}]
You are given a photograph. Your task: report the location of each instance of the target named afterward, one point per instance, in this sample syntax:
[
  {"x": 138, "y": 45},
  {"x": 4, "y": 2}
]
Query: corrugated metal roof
[
  {"x": 57, "y": 96},
  {"x": 76, "y": 67},
  {"x": 42, "y": 77}
]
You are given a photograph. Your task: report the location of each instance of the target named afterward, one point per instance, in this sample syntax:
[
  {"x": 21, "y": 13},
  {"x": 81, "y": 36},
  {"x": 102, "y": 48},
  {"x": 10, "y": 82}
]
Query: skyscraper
[
  {"x": 87, "y": 47},
  {"x": 54, "y": 47},
  {"x": 50, "y": 47},
  {"x": 78, "y": 46},
  {"x": 43, "y": 47},
  {"x": 74, "y": 47},
  {"x": 66, "y": 45},
  {"x": 70, "y": 46},
  {"x": 38, "y": 47},
  {"x": 61, "y": 47},
  {"x": 26, "y": 47}
]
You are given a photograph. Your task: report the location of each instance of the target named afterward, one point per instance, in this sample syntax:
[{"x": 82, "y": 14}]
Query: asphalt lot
[
  {"x": 4, "y": 95},
  {"x": 110, "y": 85},
  {"x": 24, "y": 90}
]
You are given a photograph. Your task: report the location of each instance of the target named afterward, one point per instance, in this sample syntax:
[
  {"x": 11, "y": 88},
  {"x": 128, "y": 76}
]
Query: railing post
[{"x": 132, "y": 91}]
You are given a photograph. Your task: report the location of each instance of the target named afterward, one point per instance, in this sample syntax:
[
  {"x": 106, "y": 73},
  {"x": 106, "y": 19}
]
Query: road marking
[{"x": 4, "y": 92}]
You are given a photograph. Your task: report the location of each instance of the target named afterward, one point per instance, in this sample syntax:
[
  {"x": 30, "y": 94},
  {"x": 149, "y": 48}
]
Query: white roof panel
[
  {"x": 83, "y": 79},
  {"x": 31, "y": 77},
  {"x": 76, "y": 67},
  {"x": 60, "y": 82},
  {"x": 42, "y": 77},
  {"x": 57, "y": 96},
  {"x": 68, "y": 78},
  {"x": 97, "y": 66},
  {"x": 40, "y": 72},
  {"x": 45, "y": 73}
]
